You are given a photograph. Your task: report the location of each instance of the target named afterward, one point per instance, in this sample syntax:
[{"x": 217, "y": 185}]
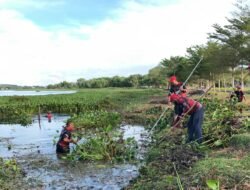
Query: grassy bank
[{"x": 220, "y": 162}]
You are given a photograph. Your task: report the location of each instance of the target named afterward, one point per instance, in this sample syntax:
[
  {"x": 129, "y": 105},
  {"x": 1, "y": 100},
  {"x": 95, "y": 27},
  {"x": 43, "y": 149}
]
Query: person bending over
[
  {"x": 188, "y": 106},
  {"x": 63, "y": 144}
]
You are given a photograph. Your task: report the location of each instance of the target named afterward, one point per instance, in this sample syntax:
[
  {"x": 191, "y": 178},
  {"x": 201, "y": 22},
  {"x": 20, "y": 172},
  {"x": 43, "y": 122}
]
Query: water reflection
[{"x": 30, "y": 139}]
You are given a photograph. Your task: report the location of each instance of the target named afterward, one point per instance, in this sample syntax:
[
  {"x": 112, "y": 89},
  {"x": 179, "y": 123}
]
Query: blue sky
[
  {"x": 56, "y": 13},
  {"x": 44, "y": 42},
  {"x": 68, "y": 12}
]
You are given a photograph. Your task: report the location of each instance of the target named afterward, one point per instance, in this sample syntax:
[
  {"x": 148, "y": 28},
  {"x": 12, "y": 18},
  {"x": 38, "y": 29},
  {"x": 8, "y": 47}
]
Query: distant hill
[
  {"x": 16, "y": 87},
  {"x": 9, "y": 86}
]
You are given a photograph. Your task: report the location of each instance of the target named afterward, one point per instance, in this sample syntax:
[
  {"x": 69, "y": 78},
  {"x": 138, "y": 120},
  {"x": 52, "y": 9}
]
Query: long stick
[
  {"x": 183, "y": 84},
  {"x": 158, "y": 120},
  {"x": 39, "y": 117}
]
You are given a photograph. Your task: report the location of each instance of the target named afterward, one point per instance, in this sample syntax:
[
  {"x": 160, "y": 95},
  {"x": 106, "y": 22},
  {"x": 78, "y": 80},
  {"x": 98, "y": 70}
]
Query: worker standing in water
[
  {"x": 63, "y": 144},
  {"x": 49, "y": 116}
]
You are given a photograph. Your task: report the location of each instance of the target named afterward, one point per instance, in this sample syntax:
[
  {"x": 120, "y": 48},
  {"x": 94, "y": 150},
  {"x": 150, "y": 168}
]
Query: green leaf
[
  {"x": 14, "y": 168},
  {"x": 218, "y": 143},
  {"x": 213, "y": 184},
  {"x": 170, "y": 179}
]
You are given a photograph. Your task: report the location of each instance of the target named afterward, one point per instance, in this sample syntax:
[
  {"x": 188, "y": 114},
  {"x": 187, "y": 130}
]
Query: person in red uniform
[
  {"x": 239, "y": 94},
  {"x": 65, "y": 138},
  {"x": 49, "y": 116},
  {"x": 196, "y": 112},
  {"x": 176, "y": 86}
]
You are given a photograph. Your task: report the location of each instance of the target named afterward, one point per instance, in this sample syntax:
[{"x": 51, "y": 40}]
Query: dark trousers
[
  {"x": 60, "y": 149},
  {"x": 194, "y": 126}
]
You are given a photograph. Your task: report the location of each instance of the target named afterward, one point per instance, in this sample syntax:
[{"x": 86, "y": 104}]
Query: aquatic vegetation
[
  {"x": 24, "y": 107},
  {"x": 8, "y": 168},
  {"x": 96, "y": 119},
  {"x": 104, "y": 146},
  {"x": 102, "y": 141}
]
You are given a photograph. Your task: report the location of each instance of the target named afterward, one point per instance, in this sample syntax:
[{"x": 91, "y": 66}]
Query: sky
[{"x": 48, "y": 41}]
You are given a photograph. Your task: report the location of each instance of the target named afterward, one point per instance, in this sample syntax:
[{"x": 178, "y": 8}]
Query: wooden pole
[{"x": 39, "y": 117}]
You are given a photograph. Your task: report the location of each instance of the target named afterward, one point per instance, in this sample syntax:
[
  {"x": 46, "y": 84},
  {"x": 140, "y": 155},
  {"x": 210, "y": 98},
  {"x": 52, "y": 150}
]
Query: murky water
[{"x": 34, "y": 149}]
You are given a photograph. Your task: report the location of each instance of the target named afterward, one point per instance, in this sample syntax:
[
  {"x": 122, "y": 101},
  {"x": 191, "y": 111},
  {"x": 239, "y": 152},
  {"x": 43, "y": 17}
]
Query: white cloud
[{"x": 137, "y": 36}]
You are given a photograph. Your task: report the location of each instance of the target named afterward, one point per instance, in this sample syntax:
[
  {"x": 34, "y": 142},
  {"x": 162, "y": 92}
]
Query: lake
[{"x": 33, "y": 93}]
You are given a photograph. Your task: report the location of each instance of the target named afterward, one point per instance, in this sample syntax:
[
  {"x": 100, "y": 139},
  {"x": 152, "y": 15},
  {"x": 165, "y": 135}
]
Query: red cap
[
  {"x": 174, "y": 97},
  {"x": 172, "y": 78}
]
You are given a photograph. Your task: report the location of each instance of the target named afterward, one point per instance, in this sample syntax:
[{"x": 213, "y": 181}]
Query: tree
[
  {"x": 99, "y": 83},
  {"x": 66, "y": 84},
  {"x": 177, "y": 65},
  {"x": 134, "y": 80},
  {"x": 81, "y": 83},
  {"x": 235, "y": 37},
  {"x": 156, "y": 76},
  {"x": 117, "y": 81}
]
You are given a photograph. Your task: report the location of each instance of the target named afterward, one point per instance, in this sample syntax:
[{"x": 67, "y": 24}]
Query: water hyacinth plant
[{"x": 101, "y": 141}]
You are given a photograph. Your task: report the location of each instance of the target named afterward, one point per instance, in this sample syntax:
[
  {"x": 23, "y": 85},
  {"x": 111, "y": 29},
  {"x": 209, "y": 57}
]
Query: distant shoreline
[{"x": 34, "y": 92}]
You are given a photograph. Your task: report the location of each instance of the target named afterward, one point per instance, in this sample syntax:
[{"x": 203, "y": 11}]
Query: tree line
[
  {"x": 226, "y": 60},
  {"x": 136, "y": 80}
]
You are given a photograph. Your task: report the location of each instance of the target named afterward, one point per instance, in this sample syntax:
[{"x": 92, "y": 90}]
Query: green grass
[
  {"x": 240, "y": 140},
  {"x": 229, "y": 171}
]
